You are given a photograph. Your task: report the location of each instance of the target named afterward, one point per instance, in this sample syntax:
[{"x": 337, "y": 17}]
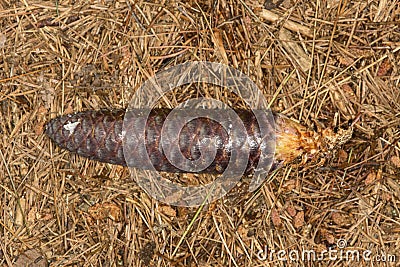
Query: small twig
[{"x": 288, "y": 24}]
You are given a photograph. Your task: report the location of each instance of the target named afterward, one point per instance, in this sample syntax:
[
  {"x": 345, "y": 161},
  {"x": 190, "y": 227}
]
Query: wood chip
[
  {"x": 294, "y": 50},
  {"x": 288, "y": 24},
  {"x": 19, "y": 211}
]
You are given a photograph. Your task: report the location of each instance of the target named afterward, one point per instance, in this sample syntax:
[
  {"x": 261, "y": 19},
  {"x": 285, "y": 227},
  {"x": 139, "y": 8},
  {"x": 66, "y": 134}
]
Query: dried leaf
[
  {"x": 167, "y": 210},
  {"x": 328, "y": 236},
  {"x": 276, "y": 219},
  {"x": 289, "y": 185},
  {"x": 105, "y": 210},
  {"x": 384, "y": 68},
  {"x": 291, "y": 210},
  {"x": 365, "y": 208},
  {"x": 371, "y": 177},
  {"x": 342, "y": 155},
  {"x": 396, "y": 161},
  {"x": 345, "y": 60},
  {"x": 298, "y": 220},
  {"x": 348, "y": 92},
  {"x": 340, "y": 219},
  {"x": 32, "y": 214},
  {"x": 242, "y": 231}
]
